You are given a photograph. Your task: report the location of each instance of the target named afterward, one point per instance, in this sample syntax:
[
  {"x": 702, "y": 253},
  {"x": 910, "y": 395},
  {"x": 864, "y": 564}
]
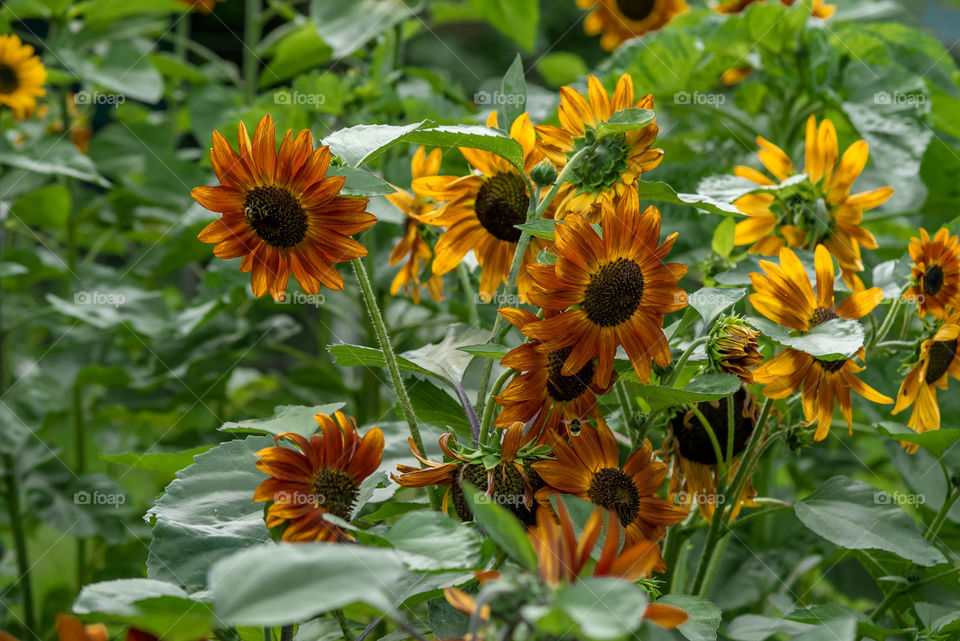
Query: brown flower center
[
  {"x": 501, "y": 203},
  {"x": 613, "y": 489},
  {"x": 636, "y": 9},
  {"x": 692, "y": 438},
  {"x": 822, "y": 315},
  {"x": 276, "y": 215},
  {"x": 335, "y": 492},
  {"x": 939, "y": 359},
  {"x": 566, "y": 388},
  {"x": 509, "y": 489},
  {"x": 9, "y": 80},
  {"x": 933, "y": 280},
  {"x": 831, "y": 366},
  {"x": 614, "y": 293}
]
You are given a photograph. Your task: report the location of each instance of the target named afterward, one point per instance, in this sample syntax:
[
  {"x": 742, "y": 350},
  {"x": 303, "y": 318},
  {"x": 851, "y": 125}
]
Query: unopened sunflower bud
[
  {"x": 733, "y": 348},
  {"x": 800, "y": 436},
  {"x": 544, "y": 174}
]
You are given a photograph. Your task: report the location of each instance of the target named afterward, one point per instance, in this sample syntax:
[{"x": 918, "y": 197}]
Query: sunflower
[
  {"x": 620, "y": 285},
  {"x": 819, "y": 210},
  {"x": 608, "y": 166},
  {"x": 412, "y": 246},
  {"x": 21, "y": 76},
  {"x": 695, "y": 472},
  {"x": 733, "y": 348},
  {"x": 481, "y": 211},
  {"x": 322, "y": 478},
  {"x": 785, "y": 296},
  {"x": 542, "y": 394},
  {"x": 588, "y": 466},
  {"x": 621, "y": 20},
  {"x": 820, "y": 10},
  {"x": 281, "y": 212},
  {"x": 938, "y": 360},
  {"x": 936, "y": 272}
]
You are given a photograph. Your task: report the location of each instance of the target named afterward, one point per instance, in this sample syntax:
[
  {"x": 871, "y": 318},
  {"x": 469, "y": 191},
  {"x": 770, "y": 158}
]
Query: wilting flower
[
  {"x": 607, "y": 166},
  {"x": 820, "y": 9},
  {"x": 733, "y": 348},
  {"x": 695, "y": 472},
  {"x": 938, "y": 360},
  {"x": 588, "y": 466},
  {"x": 21, "y": 76},
  {"x": 322, "y": 478},
  {"x": 542, "y": 394},
  {"x": 936, "y": 272},
  {"x": 412, "y": 246},
  {"x": 281, "y": 212},
  {"x": 621, "y": 20},
  {"x": 621, "y": 286},
  {"x": 819, "y": 210},
  {"x": 481, "y": 211},
  {"x": 785, "y": 296}
]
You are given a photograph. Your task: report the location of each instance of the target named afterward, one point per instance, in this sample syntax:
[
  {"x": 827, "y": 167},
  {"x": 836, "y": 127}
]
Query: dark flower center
[
  {"x": 276, "y": 215},
  {"x": 613, "y": 293},
  {"x": 9, "y": 80},
  {"x": 508, "y": 489},
  {"x": 822, "y": 315},
  {"x": 566, "y": 388},
  {"x": 831, "y": 366},
  {"x": 636, "y": 9},
  {"x": 335, "y": 492},
  {"x": 501, "y": 203},
  {"x": 613, "y": 489},
  {"x": 692, "y": 438},
  {"x": 601, "y": 163},
  {"x": 933, "y": 280},
  {"x": 939, "y": 359}
]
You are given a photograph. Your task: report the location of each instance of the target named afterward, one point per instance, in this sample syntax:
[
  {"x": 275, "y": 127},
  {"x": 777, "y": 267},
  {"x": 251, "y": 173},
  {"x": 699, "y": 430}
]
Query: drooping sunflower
[
  {"x": 621, "y": 20},
  {"x": 785, "y": 296},
  {"x": 695, "y": 475},
  {"x": 322, "y": 478},
  {"x": 588, "y": 466},
  {"x": 819, "y": 210},
  {"x": 412, "y": 246},
  {"x": 936, "y": 272},
  {"x": 733, "y": 348},
  {"x": 542, "y": 394},
  {"x": 21, "y": 76},
  {"x": 621, "y": 286},
  {"x": 281, "y": 212},
  {"x": 480, "y": 211},
  {"x": 608, "y": 166},
  {"x": 938, "y": 360},
  {"x": 820, "y": 9}
]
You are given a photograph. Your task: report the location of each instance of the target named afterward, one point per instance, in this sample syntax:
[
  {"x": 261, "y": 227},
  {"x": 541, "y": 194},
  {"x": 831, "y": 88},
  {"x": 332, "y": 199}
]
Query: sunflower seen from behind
[
  {"x": 21, "y": 76},
  {"x": 617, "y": 21},
  {"x": 281, "y": 212},
  {"x": 783, "y": 294},
  {"x": 935, "y": 272}
]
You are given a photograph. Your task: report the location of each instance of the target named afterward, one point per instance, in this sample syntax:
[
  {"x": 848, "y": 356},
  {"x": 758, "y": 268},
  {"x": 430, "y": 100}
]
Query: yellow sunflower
[
  {"x": 938, "y": 360},
  {"x": 820, "y": 9},
  {"x": 620, "y": 286},
  {"x": 621, "y": 20},
  {"x": 281, "y": 212},
  {"x": 936, "y": 272},
  {"x": 412, "y": 245},
  {"x": 608, "y": 166},
  {"x": 588, "y": 466},
  {"x": 481, "y": 211},
  {"x": 818, "y": 211},
  {"x": 733, "y": 348},
  {"x": 785, "y": 296},
  {"x": 21, "y": 76},
  {"x": 322, "y": 478},
  {"x": 542, "y": 394},
  {"x": 695, "y": 475}
]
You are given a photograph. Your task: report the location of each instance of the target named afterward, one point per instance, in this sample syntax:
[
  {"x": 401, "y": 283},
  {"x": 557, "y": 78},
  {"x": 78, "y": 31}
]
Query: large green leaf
[
  {"x": 57, "y": 158},
  {"x": 517, "y": 19},
  {"x": 472, "y": 136},
  {"x": 833, "y": 340},
  {"x": 445, "y": 358},
  {"x": 662, "y": 192},
  {"x": 363, "y": 143},
  {"x": 298, "y": 419},
  {"x": 435, "y": 406},
  {"x": 603, "y": 608},
  {"x": 348, "y": 26},
  {"x": 711, "y": 301},
  {"x": 704, "y": 616},
  {"x": 502, "y": 526},
  {"x": 937, "y": 442},
  {"x": 513, "y": 90},
  {"x": 625, "y": 120},
  {"x": 709, "y": 387},
  {"x": 159, "y": 461},
  {"x": 433, "y": 541},
  {"x": 359, "y": 355}
]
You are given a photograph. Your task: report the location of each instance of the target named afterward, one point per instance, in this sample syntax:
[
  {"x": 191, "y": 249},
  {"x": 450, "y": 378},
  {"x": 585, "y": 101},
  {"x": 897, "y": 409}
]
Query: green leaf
[
  {"x": 723, "y": 237},
  {"x": 937, "y": 442},
  {"x": 857, "y": 516},
  {"x": 445, "y": 358},
  {"x": 359, "y": 355},
  {"x": 157, "y": 609},
  {"x": 361, "y": 182},
  {"x": 662, "y": 192},
  {"x": 57, "y": 158},
  {"x": 348, "y": 26},
  {"x": 709, "y": 387},
  {"x": 486, "y": 350},
  {"x": 516, "y": 19},
  {"x": 541, "y": 227},
  {"x": 621, "y": 614},
  {"x": 272, "y": 585},
  {"x": 298, "y": 50},
  {"x": 513, "y": 89},
  {"x": 625, "y": 120},
  {"x": 502, "y": 526},
  {"x": 364, "y": 143},
  {"x": 286, "y": 418},
  {"x": 704, "y": 616},
  {"x": 433, "y": 405},
  {"x": 842, "y": 629},
  {"x": 119, "y": 596},
  {"x": 47, "y": 207},
  {"x": 123, "y": 69},
  {"x": 711, "y": 301},
  {"x": 561, "y": 68},
  {"x": 471, "y": 136},
  {"x": 833, "y": 340},
  {"x": 158, "y": 462},
  {"x": 433, "y": 541},
  {"x": 755, "y": 627}
]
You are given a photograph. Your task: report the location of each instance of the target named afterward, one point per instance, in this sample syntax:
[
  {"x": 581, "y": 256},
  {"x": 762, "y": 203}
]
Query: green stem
[
  {"x": 80, "y": 445},
  {"x": 267, "y": 634},
  {"x": 717, "y": 452},
  {"x": 941, "y": 516},
  {"x": 251, "y": 41},
  {"x": 488, "y": 409},
  {"x": 624, "y": 399},
  {"x": 881, "y": 333},
  {"x": 731, "y": 422},
  {"x": 464, "y": 272},
  {"x": 344, "y": 625},
  {"x": 17, "y": 523},
  {"x": 682, "y": 361}
]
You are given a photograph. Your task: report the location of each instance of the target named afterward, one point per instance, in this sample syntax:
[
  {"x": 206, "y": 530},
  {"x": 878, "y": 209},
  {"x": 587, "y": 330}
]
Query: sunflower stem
[
  {"x": 625, "y": 408},
  {"x": 682, "y": 361},
  {"x": 731, "y": 423},
  {"x": 717, "y": 451},
  {"x": 19, "y": 541},
  {"x": 251, "y": 40},
  {"x": 881, "y": 333},
  {"x": 488, "y": 409},
  {"x": 286, "y": 631}
]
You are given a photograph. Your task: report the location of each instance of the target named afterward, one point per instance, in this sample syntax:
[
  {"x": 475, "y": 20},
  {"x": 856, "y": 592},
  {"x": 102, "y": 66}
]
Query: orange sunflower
[
  {"x": 621, "y": 20},
  {"x": 820, "y": 10},
  {"x": 481, "y": 211},
  {"x": 542, "y": 393},
  {"x": 21, "y": 76},
  {"x": 412, "y": 246},
  {"x": 785, "y": 296},
  {"x": 588, "y": 466},
  {"x": 938, "y": 360},
  {"x": 936, "y": 272},
  {"x": 606, "y": 167},
  {"x": 280, "y": 211},
  {"x": 620, "y": 286},
  {"x": 819, "y": 210},
  {"x": 322, "y": 478}
]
